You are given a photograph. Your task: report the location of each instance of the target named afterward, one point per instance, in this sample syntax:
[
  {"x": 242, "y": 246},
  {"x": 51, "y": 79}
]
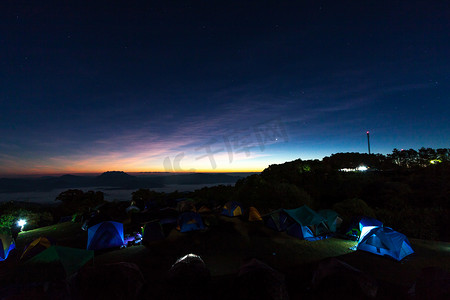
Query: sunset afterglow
[{"x": 91, "y": 90}]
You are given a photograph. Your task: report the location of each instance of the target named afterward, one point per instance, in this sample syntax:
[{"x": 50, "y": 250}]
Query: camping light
[
  {"x": 21, "y": 223},
  {"x": 365, "y": 230}
]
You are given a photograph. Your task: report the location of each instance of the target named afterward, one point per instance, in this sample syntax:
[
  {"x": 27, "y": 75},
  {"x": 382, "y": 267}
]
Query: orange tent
[
  {"x": 254, "y": 215},
  {"x": 35, "y": 247}
]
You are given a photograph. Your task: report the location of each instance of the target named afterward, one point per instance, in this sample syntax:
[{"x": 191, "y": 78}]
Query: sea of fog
[{"x": 111, "y": 194}]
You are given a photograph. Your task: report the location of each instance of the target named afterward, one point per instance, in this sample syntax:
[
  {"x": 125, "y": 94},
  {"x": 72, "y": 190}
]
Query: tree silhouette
[{"x": 77, "y": 201}]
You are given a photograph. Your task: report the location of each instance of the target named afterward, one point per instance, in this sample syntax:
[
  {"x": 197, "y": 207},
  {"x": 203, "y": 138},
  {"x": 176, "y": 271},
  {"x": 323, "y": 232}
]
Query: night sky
[{"x": 217, "y": 86}]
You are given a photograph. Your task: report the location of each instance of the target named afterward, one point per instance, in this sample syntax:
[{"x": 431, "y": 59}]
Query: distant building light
[{"x": 358, "y": 169}]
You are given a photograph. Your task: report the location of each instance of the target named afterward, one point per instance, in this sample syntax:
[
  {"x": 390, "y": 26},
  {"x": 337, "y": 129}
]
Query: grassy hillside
[{"x": 225, "y": 246}]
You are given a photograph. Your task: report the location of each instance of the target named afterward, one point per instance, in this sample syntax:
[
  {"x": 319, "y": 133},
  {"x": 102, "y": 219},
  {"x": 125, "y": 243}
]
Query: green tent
[
  {"x": 277, "y": 220},
  {"x": 71, "y": 259},
  {"x": 305, "y": 216}
]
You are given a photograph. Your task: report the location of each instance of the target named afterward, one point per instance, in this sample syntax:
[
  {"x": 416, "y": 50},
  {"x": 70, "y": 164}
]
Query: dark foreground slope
[{"x": 225, "y": 246}]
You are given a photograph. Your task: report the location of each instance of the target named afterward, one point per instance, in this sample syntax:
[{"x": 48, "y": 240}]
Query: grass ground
[{"x": 226, "y": 245}]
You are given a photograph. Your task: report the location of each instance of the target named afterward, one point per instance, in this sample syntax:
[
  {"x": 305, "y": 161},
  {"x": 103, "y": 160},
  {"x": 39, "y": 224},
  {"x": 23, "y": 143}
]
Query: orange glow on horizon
[
  {"x": 81, "y": 172},
  {"x": 140, "y": 163}
]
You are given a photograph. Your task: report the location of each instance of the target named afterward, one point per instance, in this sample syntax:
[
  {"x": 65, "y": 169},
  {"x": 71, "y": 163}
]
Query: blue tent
[
  {"x": 305, "y": 223},
  {"x": 277, "y": 220},
  {"x": 190, "y": 221},
  {"x": 364, "y": 222},
  {"x": 386, "y": 242},
  {"x": 358, "y": 224},
  {"x": 153, "y": 231},
  {"x": 6, "y": 244},
  {"x": 105, "y": 235},
  {"x": 232, "y": 209}
]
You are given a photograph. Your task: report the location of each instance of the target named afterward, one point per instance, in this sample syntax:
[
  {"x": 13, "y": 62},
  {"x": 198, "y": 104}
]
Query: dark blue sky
[{"x": 155, "y": 85}]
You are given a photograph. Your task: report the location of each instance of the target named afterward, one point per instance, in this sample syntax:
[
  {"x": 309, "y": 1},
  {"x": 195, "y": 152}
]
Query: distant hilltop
[{"x": 114, "y": 174}]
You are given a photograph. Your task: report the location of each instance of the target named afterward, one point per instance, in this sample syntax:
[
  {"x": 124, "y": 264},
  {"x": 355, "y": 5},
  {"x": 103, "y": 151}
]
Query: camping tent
[
  {"x": 356, "y": 228},
  {"x": 153, "y": 231},
  {"x": 277, "y": 220},
  {"x": 432, "y": 283},
  {"x": 6, "y": 244},
  {"x": 203, "y": 210},
  {"x": 105, "y": 235},
  {"x": 305, "y": 223},
  {"x": 186, "y": 204},
  {"x": 121, "y": 280},
  {"x": 300, "y": 231},
  {"x": 386, "y": 242},
  {"x": 332, "y": 219},
  {"x": 36, "y": 246},
  {"x": 334, "y": 278},
  {"x": 132, "y": 208},
  {"x": 167, "y": 215},
  {"x": 190, "y": 221},
  {"x": 256, "y": 280},
  {"x": 187, "y": 266},
  {"x": 188, "y": 278},
  {"x": 71, "y": 259},
  {"x": 232, "y": 209},
  {"x": 254, "y": 215}
]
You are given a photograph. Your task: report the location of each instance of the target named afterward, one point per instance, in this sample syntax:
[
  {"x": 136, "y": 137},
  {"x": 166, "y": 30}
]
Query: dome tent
[
  {"x": 120, "y": 280},
  {"x": 204, "y": 210},
  {"x": 35, "y": 247},
  {"x": 257, "y": 280},
  {"x": 71, "y": 259},
  {"x": 254, "y": 215},
  {"x": 105, "y": 235},
  {"x": 277, "y": 220},
  {"x": 305, "y": 223},
  {"x": 333, "y": 277},
  {"x": 356, "y": 227},
  {"x": 232, "y": 209},
  {"x": 153, "y": 231},
  {"x": 190, "y": 221},
  {"x": 188, "y": 278},
  {"x": 332, "y": 218},
  {"x": 385, "y": 241},
  {"x": 6, "y": 244}
]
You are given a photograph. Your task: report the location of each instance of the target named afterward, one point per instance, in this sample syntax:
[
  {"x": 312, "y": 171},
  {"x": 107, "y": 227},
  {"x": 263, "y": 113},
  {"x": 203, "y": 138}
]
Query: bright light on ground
[{"x": 21, "y": 223}]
